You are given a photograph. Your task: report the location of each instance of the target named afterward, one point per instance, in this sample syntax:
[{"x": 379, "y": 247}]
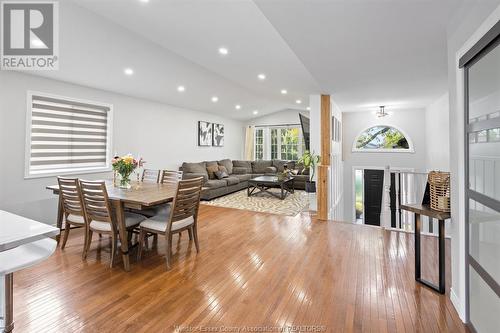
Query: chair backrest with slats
[
  {"x": 70, "y": 196},
  {"x": 95, "y": 201},
  {"x": 171, "y": 177},
  {"x": 151, "y": 176},
  {"x": 186, "y": 201}
]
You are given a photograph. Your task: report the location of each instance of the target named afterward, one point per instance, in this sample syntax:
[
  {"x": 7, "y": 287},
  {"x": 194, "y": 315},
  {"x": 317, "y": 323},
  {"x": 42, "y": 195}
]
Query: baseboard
[{"x": 457, "y": 303}]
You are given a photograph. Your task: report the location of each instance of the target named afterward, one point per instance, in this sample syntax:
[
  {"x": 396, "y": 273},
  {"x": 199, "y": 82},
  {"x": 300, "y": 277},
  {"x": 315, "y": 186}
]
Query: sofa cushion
[
  {"x": 241, "y": 171},
  {"x": 216, "y": 183},
  {"x": 200, "y": 167},
  {"x": 196, "y": 175},
  {"x": 228, "y": 164},
  {"x": 260, "y": 166},
  {"x": 280, "y": 165},
  {"x": 301, "y": 178},
  {"x": 211, "y": 170},
  {"x": 244, "y": 177},
  {"x": 271, "y": 170},
  {"x": 232, "y": 180},
  {"x": 247, "y": 165}
]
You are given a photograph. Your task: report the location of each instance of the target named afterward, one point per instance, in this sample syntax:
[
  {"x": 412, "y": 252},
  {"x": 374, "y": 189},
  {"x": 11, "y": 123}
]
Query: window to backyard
[{"x": 279, "y": 142}]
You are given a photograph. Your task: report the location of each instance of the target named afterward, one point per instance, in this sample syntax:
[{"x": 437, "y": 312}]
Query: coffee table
[{"x": 263, "y": 184}]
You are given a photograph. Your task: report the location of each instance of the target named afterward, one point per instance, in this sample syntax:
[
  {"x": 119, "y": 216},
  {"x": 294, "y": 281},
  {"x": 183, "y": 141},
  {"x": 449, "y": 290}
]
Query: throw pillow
[
  {"x": 221, "y": 174},
  {"x": 223, "y": 169},
  {"x": 211, "y": 170}
]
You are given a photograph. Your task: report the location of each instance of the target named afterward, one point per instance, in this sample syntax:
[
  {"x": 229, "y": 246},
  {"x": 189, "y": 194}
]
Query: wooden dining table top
[{"x": 141, "y": 193}]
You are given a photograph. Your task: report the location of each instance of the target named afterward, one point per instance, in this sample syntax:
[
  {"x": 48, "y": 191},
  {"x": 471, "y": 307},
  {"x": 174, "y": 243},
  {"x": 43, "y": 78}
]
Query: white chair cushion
[
  {"x": 159, "y": 223},
  {"x": 76, "y": 219},
  {"x": 131, "y": 219},
  {"x": 26, "y": 255}
]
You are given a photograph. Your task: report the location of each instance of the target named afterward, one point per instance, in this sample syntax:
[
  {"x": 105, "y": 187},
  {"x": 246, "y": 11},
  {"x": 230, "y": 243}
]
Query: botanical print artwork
[
  {"x": 204, "y": 133},
  {"x": 218, "y": 135}
]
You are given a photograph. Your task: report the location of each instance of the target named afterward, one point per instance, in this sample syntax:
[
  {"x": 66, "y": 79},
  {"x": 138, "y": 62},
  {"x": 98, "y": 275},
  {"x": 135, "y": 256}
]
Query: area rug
[{"x": 264, "y": 202}]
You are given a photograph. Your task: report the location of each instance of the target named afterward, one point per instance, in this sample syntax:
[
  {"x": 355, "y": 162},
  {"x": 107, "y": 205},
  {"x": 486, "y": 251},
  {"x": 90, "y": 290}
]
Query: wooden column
[{"x": 324, "y": 165}]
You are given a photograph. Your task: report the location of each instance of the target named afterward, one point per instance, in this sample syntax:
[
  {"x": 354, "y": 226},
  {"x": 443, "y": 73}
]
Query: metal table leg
[{"x": 9, "y": 303}]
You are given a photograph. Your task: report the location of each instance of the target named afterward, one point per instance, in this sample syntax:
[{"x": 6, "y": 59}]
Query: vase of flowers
[{"x": 124, "y": 166}]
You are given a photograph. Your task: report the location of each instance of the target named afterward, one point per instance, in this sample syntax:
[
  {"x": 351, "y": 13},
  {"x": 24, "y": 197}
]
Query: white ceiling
[{"x": 364, "y": 53}]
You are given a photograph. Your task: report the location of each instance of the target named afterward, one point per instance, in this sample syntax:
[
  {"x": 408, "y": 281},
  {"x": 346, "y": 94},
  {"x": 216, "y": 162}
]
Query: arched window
[{"x": 382, "y": 138}]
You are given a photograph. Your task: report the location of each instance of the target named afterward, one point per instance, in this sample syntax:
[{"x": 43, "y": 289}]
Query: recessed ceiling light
[
  {"x": 237, "y": 106},
  {"x": 181, "y": 88},
  {"x": 215, "y": 99},
  {"x": 261, "y": 76},
  {"x": 128, "y": 71},
  {"x": 298, "y": 101},
  {"x": 308, "y": 108},
  {"x": 223, "y": 51},
  {"x": 255, "y": 111},
  {"x": 144, "y": 1},
  {"x": 284, "y": 91}
]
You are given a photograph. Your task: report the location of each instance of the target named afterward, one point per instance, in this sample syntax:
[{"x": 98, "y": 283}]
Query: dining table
[{"x": 140, "y": 196}]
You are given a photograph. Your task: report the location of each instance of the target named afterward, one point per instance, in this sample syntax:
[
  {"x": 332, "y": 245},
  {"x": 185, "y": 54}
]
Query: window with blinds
[{"x": 67, "y": 136}]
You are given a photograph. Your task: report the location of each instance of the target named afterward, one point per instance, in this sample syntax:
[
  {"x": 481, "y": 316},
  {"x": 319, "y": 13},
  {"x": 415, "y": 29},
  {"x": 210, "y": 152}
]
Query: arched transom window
[{"x": 383, "y": 138}]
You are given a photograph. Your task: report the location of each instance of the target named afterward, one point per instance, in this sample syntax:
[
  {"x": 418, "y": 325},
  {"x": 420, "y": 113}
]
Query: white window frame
[
  {"x": 267, "y": 140},
  {"x": 410, "y": 150},
  {"x": 75, "y": 171}
]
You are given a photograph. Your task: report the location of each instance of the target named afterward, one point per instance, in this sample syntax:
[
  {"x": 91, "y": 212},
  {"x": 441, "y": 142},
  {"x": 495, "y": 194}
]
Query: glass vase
[{"x": 125, "y": 182}]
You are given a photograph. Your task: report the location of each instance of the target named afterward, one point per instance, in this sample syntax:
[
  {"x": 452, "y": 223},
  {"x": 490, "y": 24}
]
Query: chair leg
[
  {"x": 142, "y": 235},
  {"x": 190, "y": 232},
  {"x": 169, "y": 251},
  {"x": 67, "y": 228},
  {"x": 113, "y": 248},
  {"x": 87, "y": 245},
  {"x": 195, "y": 236},
  {"x": 85, "y": 241}
]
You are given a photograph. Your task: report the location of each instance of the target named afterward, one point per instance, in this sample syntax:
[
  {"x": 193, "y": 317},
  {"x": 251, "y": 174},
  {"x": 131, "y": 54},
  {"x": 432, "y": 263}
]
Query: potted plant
[{"x": 310, "y": 160}]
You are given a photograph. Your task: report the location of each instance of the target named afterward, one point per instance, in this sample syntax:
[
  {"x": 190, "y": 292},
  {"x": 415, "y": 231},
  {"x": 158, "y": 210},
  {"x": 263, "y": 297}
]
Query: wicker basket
[{"x": 440, "y": 190}]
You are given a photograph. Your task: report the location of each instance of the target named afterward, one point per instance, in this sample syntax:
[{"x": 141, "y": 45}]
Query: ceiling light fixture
[
  {"x": 144, "y": 1},
  {"x": 181, "y": 88},
  {"x": 298, "y": 101},
  {"x": 128, "y": 71},
  {"x": 261, "y": 77},
  {"x": 381, "y": 112},
  {"x": 255, "y": 111},
  {"x": 237, "y": 107},
  {"x": 215, "y": 99},
  {"x": 284, "y": 92},
  {"x": 223, "y": 51}
]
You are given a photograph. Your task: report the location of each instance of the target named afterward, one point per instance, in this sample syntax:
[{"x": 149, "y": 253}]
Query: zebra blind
[{"x": 67, "y": 136}]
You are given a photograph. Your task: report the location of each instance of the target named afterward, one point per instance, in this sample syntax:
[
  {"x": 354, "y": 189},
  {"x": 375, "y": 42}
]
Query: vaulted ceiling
[{"x": 364, "y": 53}]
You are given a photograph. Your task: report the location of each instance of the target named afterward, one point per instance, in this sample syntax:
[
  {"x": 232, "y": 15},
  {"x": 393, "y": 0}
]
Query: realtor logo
[{"x": 29, "y": 35}]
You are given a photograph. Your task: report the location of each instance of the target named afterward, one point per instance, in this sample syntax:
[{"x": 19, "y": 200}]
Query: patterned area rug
[{"x": 264, "y": 202}]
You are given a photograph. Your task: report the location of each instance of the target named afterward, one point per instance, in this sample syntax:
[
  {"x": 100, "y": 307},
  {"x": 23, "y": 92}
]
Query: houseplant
[
  {"x": 310, "y": 160},
  {"x": 124, "y": 166}
]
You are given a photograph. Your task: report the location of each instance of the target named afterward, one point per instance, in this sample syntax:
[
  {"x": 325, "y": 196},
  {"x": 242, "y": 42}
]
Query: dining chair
[
  {"x": 150, "y": 176},
  {"x": 183, "y": 215},
  {"x": 170, "y": 177},
  {"x": 72, "y": 206},
  {"x": 99, "y": 215}
]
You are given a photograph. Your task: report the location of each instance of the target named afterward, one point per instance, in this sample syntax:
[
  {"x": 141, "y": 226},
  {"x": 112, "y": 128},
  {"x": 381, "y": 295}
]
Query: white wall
[
  {"x": 164, "y": 135},
  {"x": 437, "y": 135},
  {"x": 471, "y": 22},
  {"x": 284, "y": 117},
  {"x": 411, "y": 122}
]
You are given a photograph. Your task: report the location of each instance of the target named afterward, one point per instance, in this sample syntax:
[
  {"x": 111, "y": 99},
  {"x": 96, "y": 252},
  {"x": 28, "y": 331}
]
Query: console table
[{"x": 419, "y": 210}]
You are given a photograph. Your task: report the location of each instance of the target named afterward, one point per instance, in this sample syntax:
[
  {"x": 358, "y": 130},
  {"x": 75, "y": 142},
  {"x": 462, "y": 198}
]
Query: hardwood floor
[{"x": 253, "y": 269}]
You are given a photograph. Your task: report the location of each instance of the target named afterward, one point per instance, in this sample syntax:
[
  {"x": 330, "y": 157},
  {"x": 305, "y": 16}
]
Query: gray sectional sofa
[{"x": 239, "y": 172}]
